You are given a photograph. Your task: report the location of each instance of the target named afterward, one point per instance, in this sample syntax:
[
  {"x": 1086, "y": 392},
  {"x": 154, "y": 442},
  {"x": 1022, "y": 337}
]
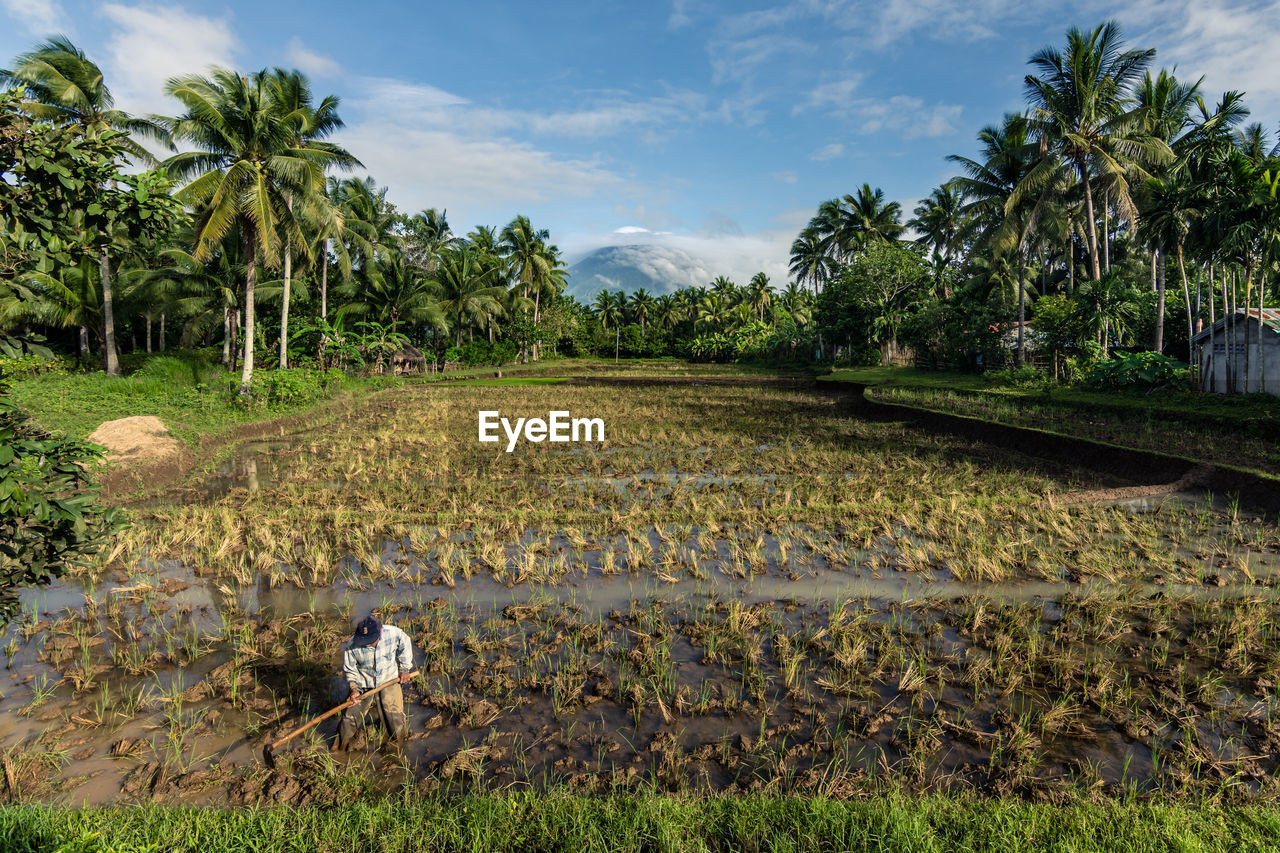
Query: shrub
[
  {"x": 49, "y": 518},
  {"x": 287, "y": 387},
  {"x": 1017, "y": 377},
  {"x": 29, "y": 365},
  {"x": 1138, "y": 370}
]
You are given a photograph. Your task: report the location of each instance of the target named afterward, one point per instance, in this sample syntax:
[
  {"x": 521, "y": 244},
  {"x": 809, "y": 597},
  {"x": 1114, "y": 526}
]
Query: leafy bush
[
  {"x": 1016, "y": 377},
  {"x": 1138, "y": 370},
  {"x": 29, "y": 365},
  {"x": 49, "y": 517},
  {"x": 482, "y": 352},
  {"x": 287, "y": 387}
]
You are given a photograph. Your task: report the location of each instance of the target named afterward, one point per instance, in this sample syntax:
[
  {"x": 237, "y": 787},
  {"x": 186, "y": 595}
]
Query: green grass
[
  {"x": 1210, "y": 406},
  {"x": 76, "y": 404},
  {"x": 411, "y": 822}
]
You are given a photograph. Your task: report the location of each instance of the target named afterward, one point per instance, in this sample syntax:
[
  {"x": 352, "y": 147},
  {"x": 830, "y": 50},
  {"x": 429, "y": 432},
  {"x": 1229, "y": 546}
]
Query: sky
[{"x": 716, "y": 128}]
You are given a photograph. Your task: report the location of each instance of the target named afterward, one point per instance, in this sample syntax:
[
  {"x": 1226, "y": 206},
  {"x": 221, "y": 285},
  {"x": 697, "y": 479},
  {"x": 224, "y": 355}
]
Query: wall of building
[{"x": 1214, "y": 361}]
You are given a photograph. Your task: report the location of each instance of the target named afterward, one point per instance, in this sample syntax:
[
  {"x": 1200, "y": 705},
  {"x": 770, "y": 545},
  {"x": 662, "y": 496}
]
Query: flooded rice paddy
[{"x": 741, "y": 589}]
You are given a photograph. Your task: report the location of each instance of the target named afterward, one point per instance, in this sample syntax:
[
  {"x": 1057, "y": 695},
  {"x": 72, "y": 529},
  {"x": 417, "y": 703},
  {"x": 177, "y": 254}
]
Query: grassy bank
[
  {"x": 193, "y": 399},
  {"x": 650, "y": 823},
  {"x": 1239, "y": 431}
]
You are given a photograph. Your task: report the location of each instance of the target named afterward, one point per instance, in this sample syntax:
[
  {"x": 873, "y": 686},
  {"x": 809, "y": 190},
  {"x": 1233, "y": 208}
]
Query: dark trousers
[{"x": 387, "y": 706}]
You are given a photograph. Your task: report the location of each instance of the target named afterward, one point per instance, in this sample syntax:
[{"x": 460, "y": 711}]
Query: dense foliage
[
  {"x": 48, "y": 517},
  {"x": 1056, "y": 242}
]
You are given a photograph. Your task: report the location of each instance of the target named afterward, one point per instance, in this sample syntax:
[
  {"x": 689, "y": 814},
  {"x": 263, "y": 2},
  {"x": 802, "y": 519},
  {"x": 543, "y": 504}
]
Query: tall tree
[
  {"x": 67, "y": 89},
  {"x": 1086, "y": 119},
  {"x": 243, "y": 168},
  {"x": 290, "y": 95}
]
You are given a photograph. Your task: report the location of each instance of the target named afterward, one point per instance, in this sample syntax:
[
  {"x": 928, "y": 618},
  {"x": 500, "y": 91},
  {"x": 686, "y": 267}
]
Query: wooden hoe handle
[{"x": 329, "y": 713}]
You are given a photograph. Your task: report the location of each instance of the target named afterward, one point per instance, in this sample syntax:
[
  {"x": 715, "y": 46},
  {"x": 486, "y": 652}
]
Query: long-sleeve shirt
[{"x": 368, "y": 666}]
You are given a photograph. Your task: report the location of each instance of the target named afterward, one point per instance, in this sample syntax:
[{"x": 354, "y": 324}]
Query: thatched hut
[{"x": 408, "y": 360}]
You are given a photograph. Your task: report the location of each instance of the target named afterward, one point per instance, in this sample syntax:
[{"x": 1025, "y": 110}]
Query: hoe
[{"x": 268, "y": 751}]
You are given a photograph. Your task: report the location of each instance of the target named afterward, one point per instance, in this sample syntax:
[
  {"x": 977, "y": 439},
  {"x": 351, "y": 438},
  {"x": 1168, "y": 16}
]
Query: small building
[
  {"x": 1228, "y": 364},
  {"x": 408, "y": 360}
]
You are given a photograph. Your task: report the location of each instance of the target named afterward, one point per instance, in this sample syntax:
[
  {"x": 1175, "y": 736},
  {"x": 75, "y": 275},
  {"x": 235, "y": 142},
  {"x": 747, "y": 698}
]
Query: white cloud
[
  {"x": 827, "y": 152},
  {"x": 1231, "y": 42},
  {"x": 310, "y": 62},
  {"x": 694, "y": 260},
  {"x": 430, "y": 167},
  {"x": 38, "y": 17},
  {"x": 150, "y": 44},
  {"x": 786, "y": 176}
]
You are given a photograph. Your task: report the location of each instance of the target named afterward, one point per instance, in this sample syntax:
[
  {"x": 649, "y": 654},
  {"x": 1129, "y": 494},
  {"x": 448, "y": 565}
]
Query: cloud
[
  {"x": 903, "y": 114},
  {"x": 786, "y": 176},
  {"x": 827, "y": 152},
  {"x": 310, "y": 62},
  {"x": 38, "y": 17},
  {"x": 150, "y": 44},
  {"x": 431, "y": 167},
  {"x": 691, "y": 259},
  {"x": 1231, "y": 42}
]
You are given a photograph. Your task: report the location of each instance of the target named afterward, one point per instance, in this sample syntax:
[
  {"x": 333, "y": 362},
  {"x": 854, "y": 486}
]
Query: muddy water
[{"x": 485, "y": 712}]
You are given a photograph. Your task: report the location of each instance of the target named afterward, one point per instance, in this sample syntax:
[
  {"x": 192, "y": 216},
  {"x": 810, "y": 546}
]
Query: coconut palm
[
  {"x": 939, "y": 220},
  {"x": 244, "y": 168},
  {"x": 868, "y": 218},
  {"x": 67, "y": 88},
  {"x": 1000, "y": 215},
  {"x": 811, "y": 258},
  {"x": 759, "y": 294},
  {"x": 1085, "y": 117},
  {"x": 290, "y": 95},
  {"x": 641, "y": 307},
  {"x": 466, "y": 293}
]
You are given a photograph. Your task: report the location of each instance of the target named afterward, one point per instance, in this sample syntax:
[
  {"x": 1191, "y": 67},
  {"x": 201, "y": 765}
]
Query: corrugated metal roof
[{"x": 1270, "y": 317}]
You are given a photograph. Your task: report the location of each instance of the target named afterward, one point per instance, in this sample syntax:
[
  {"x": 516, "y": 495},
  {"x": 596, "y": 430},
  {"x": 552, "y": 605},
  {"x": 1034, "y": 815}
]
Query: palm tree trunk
[
  {"x": 1186, "y": 298},
  {"x": 1106, "y": 236},
  {"x": 284, "y": 306},
  {"x": 226, "y": 337},
  {"x": 324, "y": 282},
  {"x": 1071, "y": 265},
  {"x": 111, "y": 360},
  {"x": 537, "y": 297},
  {"x": 1093, "y": 225},
  {"x": 161, "y": 331},
  {"x": 1154, "y": 252},
  {"x": 1262, "y": 365},
  {"x": 1160, "y": 297},
  {"x": 250, "y": 279},
  {"x": 84, "y": 342},
  {"x": 148, "y": 316},
  {"x": 1022, "y": 308}
]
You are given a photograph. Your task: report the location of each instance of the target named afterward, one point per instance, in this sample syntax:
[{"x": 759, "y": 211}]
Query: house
[{"x": 1228, "y": 365}]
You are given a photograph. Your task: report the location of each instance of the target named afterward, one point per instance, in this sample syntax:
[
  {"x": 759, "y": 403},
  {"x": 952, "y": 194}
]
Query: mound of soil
[{"x": 137, "y": 440}]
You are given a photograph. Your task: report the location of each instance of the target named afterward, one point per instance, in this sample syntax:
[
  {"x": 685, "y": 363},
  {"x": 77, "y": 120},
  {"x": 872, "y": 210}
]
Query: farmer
[{"x": 376, "y": 654}]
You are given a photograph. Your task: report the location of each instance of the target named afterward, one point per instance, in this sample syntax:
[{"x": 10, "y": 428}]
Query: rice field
[{"x": 744, "y": 589}]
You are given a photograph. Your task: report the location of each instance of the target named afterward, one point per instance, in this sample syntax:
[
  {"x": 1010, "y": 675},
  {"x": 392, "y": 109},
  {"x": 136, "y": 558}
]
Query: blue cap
[{"x": 368, "y": 630}]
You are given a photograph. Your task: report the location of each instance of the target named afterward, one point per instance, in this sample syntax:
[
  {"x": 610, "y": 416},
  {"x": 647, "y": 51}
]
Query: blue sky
[{"x": 714, "y": 127}]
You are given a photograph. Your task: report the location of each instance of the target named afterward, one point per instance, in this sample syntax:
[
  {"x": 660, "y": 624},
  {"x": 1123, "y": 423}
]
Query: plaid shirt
[{"x": 368, "y": 666}]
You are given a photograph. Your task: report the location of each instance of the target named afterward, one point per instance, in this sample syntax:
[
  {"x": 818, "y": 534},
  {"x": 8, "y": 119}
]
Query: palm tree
[
  {"x": 811, "y": 258},
  {"x": 995, "y": 206},
  {"x": 67, "y": 88},
  {"x": 868, "y": 218},
  {"x": 290, "y": 94},
  {"x": 466, "y": 294},
  {"x": 641, "y": 306},
  {"x": 604, "y": 306},
  {"x": 760, "y": 294},
  {"x": 939, "y": 220},
  {"x": 1084, "y": 115},
  {"x": 244, "y": 168}
]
